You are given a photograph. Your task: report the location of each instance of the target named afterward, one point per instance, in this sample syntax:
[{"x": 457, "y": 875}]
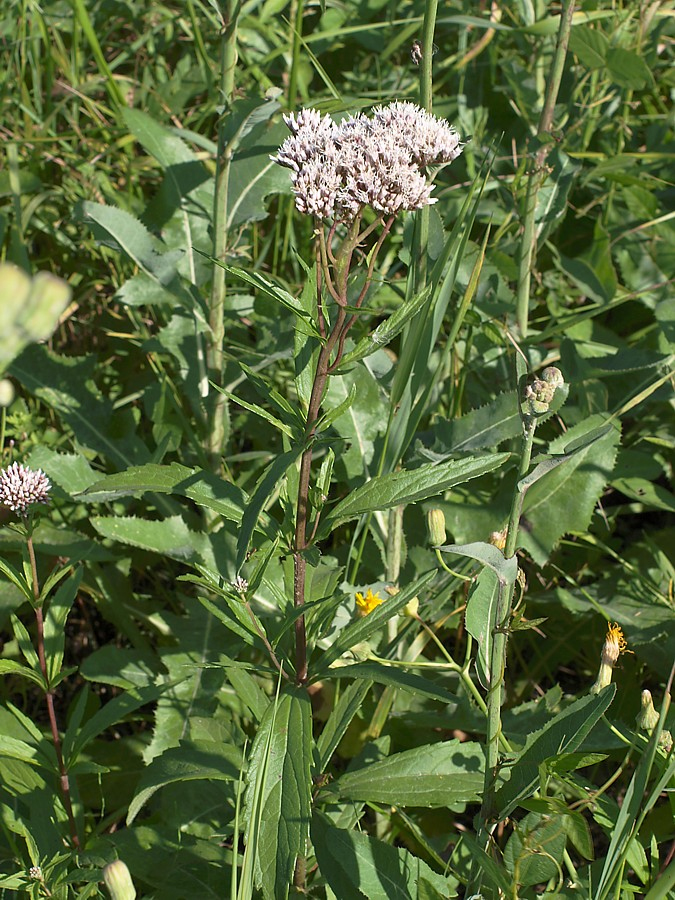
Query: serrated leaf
[
  {"x": 356, "y": 865},
  {"x": 481, "y": 428},
  {"x": 205, "y": 488},
  {"x": 192, "y": 761},
  {"x": 564, "y": 499},
  {"x": 339, "y": 720},
  {"x": 563, "y": 734},
  {"x": 399, "y": 488},
  {"x": 121, "y": 230},
  {"x": 279, "y": 771},
  {"x": 169, "y": 537},
  {"x": 432, "y": 776}
]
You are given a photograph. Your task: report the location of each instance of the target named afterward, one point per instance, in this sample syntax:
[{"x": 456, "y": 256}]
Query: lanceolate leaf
[
  {"x": 563, "y": 734},
  {"x": 399, "y": 488},
  {"x": 431, "y": 776},
  {"x": 481, "y": 611},
  {"x": 279, "y": 788}
]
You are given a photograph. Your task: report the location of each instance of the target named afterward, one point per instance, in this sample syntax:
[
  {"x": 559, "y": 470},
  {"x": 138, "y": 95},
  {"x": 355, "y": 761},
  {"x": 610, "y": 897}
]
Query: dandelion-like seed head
[
  {"x": 367, "y": 602},
  {"x": 336, "y": 170},
  {"x": 21, "y": 487}
]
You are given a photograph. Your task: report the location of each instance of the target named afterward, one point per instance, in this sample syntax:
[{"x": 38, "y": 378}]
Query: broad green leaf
[
  {"x": 590, "y": 45},
  {"x": 120, "y": 666},
  {"x": 114, "y": 712},
  {"x": 628, "y": 69},
  {"x": 356, "y": 865},
  {"x": 192, "y": 761},
  {"x": 399, "y": 488},
  {"x": 506, "y": 570},
  {"x": 593, "y": 270},
  {"x": 206, "y": 489},
  {"x": 169, "y": 537},
  {"x": 124, "y": 232},
  {"x": 70, "y": 471},
  {"x": 361, "y": 629},
  {"x": 534, "y": 851},
  {"x": 563, "y": 734},
  {"x": 564, "y": 499},
  {"x": 436, "y": 775},
  {"x": 362, "y": 422},
  {"x": 279, "y": 772},
  {"x": 29, "y": 310}
]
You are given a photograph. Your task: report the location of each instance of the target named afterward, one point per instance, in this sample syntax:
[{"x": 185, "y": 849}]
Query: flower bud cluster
[
  {"x": 337, "y": 169},
  {"x": 21, "y": 487}
]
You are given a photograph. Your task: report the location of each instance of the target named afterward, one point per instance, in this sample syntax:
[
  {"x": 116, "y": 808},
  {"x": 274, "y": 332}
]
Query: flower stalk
[
  {"x": 21, "y": 489},
  {"x": 353, "y": 178}
]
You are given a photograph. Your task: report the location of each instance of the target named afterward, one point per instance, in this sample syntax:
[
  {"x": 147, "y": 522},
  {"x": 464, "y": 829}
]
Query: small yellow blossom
[
  {"x": 366, "y": 604},
  {"x": 615, "y": 644}
]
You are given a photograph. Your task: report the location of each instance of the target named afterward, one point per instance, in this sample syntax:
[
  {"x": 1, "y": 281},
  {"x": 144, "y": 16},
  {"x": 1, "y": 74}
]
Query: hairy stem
[{"x": 64, "y": 781}]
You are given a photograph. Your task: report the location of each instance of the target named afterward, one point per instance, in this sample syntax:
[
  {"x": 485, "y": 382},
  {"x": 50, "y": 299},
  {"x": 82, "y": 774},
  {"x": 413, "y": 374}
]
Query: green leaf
[
  {"x": 628, "y": 69},
  {"x": 206, "y": 489},
  {"x": 399, "y": 488},
  {"x": 11, "y": 667},
  {"x": 55, "y": 624},
  {"x": 590, "y": 46},
  {"x": 66, "y": 386},
  {"x": 564, "y": 499},
  {"x": 274, "y": 292},
  {"x": 398, "y": 677},
  {"x": 563, "y": 734},
  {"x": 364, "y": 420},
  {"x": 386, "y": 331},
  {"x": 279, "y": 773},
  {"x": 121, "y": 230},
  {"x": 361, "y": 629},
  {"x": 339, "y": 720},
  {"x": 70, "y": 471},
  {"x": 192, "y": 761},
  {"x": 356, "y": 865},
  {"x": 267, "y": 484},
  {"x": 593, "y": 270},
  {"x": 169, "y": 537},
  {"x": 481, "y": 612},
  {"x": 434, "y": 775},
  {"x": 534, "y": 851},
  {"x": 121, "y": 667},
  {"x": 506, "y": 570}
]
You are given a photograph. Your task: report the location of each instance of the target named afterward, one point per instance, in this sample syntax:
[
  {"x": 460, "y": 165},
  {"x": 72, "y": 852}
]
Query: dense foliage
[{"x": 340, "y": 590}]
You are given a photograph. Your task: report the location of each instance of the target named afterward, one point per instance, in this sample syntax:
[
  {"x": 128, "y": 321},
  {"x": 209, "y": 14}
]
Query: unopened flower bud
[
  {"x": 118, "y": 881},
  {"x": 553, "y": 376},
  {"x": 6, "y": 392},
  {"x": 539, "y": 392},
  {"x": 647, "y": 718},
  {"x": 436, "y": 525}
]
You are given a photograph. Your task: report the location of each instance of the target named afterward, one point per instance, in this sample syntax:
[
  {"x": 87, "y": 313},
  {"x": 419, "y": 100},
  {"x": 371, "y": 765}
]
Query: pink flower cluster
[
  {"x": 337, "y": 169},
  {"x": 21, "y": 487}
]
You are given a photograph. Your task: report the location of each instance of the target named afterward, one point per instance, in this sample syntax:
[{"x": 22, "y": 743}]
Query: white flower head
[
  {"x": 21, "y": 487},
  {"x": 336, "y": 170}
]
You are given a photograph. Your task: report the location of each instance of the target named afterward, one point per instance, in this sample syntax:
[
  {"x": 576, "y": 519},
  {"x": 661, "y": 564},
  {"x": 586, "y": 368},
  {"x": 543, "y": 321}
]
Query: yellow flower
[
  {"x": 615, "y": 644},
  {"x": 366, "y": 604}
]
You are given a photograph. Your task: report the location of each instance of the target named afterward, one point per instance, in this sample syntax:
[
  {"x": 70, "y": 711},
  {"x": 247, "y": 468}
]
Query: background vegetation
[{"x": 136, "y": 143}]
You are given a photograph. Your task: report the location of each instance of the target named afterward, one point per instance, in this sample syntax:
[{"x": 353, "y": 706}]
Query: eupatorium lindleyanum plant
[{"x": 339, "y": 171}]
